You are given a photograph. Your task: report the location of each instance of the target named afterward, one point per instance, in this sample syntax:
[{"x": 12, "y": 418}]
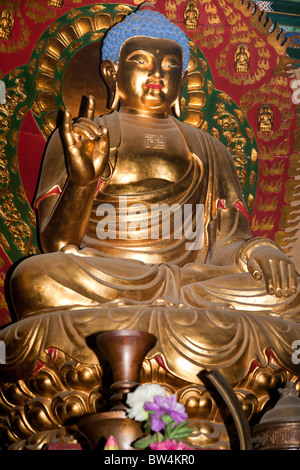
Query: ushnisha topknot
[{"x": 145, "y": 23}]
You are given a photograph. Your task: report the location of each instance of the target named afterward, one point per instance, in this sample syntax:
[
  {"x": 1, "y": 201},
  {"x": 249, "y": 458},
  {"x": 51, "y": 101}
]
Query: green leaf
[
  {"x": 144, "y": 442},
  {"x": 147, "y": 426},
  {"x": 180, "y": 431},
  {"x": 168, "y": 430}
]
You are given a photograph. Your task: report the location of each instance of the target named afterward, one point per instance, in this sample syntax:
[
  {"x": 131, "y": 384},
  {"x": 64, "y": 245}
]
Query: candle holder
[{"x": 125, "y": 351}]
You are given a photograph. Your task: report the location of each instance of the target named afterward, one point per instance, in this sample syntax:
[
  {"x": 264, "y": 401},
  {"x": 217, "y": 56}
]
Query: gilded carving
[
  {"x": 236, "y": 142},
  {"x": 97, "y": 36},
  {"x": 252, "y": 178},
  {"x": 250, "y": 201},
  {"x": 55, "y": 3},
  {"x": 39, "y": 11},
  {"x": 265, "y": 225},
  {"x": 268, "y": 205},
  {"x": 59, "y": 388},
  {"x": 20, "y": 231},
  {"x": 171, "y": 10},
  {"x": 276, "y": 169},
  {"x": 42, "y": 414},
  {"x": 191, "y": 15},
  {"x": 242, "y": 58},
  {"x": 6, "y": 23},
  {"x": 265, "y": 118}
]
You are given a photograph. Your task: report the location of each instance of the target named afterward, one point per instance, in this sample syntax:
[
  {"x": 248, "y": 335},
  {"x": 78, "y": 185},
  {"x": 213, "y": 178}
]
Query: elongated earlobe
[
  {"x": 176, "y": 107},
  {"x": 114, "y": 98},
  {"x": 109, "y": 73}
]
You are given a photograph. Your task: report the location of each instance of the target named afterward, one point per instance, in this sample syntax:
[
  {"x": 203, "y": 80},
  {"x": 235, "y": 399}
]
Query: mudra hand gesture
[
  {"x": 87, "y": 146},
  {"x": 275, "y": 268}
]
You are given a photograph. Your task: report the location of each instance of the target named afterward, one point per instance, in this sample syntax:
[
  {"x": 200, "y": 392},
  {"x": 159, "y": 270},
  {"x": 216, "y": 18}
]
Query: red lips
[{"x": 154, "y": 86}]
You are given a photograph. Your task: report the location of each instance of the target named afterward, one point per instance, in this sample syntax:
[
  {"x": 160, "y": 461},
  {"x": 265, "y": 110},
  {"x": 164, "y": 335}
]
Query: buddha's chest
[{"x": 149, "y": 153}]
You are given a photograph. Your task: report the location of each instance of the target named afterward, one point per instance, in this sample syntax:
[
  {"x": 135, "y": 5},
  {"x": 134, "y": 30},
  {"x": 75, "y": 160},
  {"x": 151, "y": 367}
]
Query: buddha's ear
[{"x": 109, "y": 72}]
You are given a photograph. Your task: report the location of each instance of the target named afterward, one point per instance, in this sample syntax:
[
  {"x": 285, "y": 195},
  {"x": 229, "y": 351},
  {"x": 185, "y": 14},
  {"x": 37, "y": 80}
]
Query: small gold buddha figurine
[
  {"x": 191, "y": 16},
  {"x": 242, "y": 58},
  {"x": 137, "y": 208},
  {"x": 265, "y": 118},
  {"x": 6, "y": 23},
  {"x": 55, "y": 3}
]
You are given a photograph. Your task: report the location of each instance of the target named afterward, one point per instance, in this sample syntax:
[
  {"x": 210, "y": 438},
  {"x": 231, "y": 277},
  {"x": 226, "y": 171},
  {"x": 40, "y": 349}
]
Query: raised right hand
[{"x": 87, "y": 146}]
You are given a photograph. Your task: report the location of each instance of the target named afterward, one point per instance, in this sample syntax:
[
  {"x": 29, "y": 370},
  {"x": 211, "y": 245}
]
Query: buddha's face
[{"x": 149, "y": 75}]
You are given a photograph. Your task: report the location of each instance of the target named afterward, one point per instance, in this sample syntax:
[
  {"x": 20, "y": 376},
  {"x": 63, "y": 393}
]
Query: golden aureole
[{"x": 143, "y": 226}]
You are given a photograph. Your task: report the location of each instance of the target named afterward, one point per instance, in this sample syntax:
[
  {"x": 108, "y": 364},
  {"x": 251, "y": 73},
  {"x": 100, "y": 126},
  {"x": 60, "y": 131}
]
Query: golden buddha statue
[
  {"x": 191, "y": 16},
  {"x": 265, "y": 118},
  {"x": 141, "y": 156},
  {"x": 6, "y": 23},
  {"x": 55, "y": 3},
  {"x": 143, "y": 226},
  {"x": 242, "y": 59}
]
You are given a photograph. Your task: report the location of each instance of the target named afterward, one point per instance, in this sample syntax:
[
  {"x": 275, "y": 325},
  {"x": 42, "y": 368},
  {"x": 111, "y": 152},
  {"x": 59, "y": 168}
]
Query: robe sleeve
[{"x": 54, "y": 172}]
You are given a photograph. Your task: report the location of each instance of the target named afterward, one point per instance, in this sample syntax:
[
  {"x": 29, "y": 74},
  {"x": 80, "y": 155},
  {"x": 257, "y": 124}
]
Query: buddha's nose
[{"x": 157, "y": 71}]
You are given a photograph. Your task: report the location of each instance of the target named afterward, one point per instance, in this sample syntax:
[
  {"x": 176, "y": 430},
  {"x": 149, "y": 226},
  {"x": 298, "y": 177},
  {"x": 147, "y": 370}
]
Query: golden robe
[{"x": 142, "y": 270}]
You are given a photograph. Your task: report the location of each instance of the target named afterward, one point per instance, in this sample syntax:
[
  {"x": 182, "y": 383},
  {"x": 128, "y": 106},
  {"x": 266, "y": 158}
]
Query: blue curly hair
[{"x": 145, "y": 23}]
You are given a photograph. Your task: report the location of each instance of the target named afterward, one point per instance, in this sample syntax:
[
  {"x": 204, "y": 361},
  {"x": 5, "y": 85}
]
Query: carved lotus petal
[
  {"x": 69, "y": 404},
  {"x": 80, "y": 376}
]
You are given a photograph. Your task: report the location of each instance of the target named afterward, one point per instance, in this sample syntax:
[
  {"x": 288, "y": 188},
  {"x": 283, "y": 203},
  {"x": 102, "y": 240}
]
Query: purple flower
[
  {"x": 164, "y": 407},
  {"x": 169, "y": 445}
]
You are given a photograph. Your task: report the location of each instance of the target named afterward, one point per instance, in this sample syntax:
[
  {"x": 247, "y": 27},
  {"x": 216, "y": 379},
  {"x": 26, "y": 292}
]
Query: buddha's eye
[
  {"x": 170, "y": 63},
  {"x": 141, "y": 60},
  {"x": 170, "y": 66}
]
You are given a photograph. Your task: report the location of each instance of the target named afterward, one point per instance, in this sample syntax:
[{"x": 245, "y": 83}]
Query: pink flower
[
  {"x": 165, "y": 406},
  {"x": 169, "y": 445},
  {"x": 111, "y": 444}
]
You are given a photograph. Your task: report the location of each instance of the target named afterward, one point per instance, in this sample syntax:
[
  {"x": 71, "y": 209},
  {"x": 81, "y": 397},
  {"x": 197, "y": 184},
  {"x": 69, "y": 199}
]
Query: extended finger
[
  {"x": 286, "y": 279},
  {"x": 104, "y": 142},
  {"x": 255, "y": 270},
  {"x": 67, "y": 129},
  {"x": 293, "y": 278},
  {"x": 90, "y": 108},
  {"x": 278, "y": 278},
  {"x": 268, "y": 274}
]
